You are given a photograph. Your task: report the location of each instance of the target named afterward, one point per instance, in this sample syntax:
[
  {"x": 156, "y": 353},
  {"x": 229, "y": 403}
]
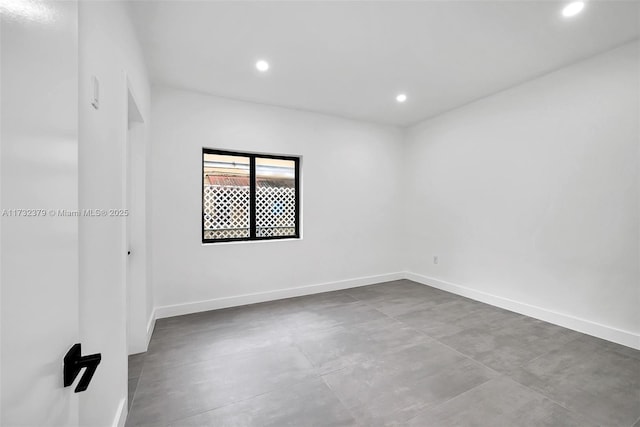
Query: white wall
[
  {"x": 350, "y": 218},
  {"x": 110, "y": 51},
  {"x": 531, "y": 196},
  {"x": 39, "y": 170}
]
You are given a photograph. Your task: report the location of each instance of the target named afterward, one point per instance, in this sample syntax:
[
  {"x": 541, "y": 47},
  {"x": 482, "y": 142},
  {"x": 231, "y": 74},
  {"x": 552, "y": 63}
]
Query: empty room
[{"x": 319, "y": 213}]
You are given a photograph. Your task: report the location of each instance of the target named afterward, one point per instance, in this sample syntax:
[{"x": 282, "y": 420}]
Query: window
[{"x": 249, "y": 196}]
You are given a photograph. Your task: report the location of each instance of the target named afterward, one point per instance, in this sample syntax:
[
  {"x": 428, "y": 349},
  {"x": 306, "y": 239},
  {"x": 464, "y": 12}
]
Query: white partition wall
[{"x": 530, "y": 197}]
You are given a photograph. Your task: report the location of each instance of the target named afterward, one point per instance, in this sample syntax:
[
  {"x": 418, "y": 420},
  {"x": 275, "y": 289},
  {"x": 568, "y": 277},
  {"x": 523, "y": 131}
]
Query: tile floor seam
[
  {"x": 339, "y": 368},
  {"x": 549, "y": 351},
  {"x": 344, "y": 405},
  {"x": 541, "y": 393},
  {"x": 231, "y": 403},
  {"x": 448, "y": 346},
  {"x": 379, "y": 311},
  {"x": 458, "y": 351},
  {"x": 156, "y": 329},
  {"x": 588, "y": 418},
  {"x": 293, "y": 343},
  {"x": 240, "y": 307},
  {"x": 306, "y": 356},
  {"x": 505, "y": 374},
  {"x": 242, "y": 352},
  {"x": 451, "y": 398},
  {"x": 438, "y": 341},
  {"x": 501, "y": 374}
]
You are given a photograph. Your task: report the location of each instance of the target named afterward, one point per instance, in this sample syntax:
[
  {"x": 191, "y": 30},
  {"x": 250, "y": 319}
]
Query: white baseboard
[
  {"x": 151, "y": 325},
  {"x": 140, "y": 343},
  {"x": 121, "y": 414},
  {"x": 626, "y": 338},
  {"x": 225, "y": 302},
  {"x": 588, "y": 327}
]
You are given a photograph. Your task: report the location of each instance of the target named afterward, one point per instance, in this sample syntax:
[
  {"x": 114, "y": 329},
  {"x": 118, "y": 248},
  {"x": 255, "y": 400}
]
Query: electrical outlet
[{"x": 435, "y": 259}]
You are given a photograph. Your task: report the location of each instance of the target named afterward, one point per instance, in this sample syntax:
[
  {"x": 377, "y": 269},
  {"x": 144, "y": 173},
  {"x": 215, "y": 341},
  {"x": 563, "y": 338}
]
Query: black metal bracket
[{"x": 73, "y": 364}]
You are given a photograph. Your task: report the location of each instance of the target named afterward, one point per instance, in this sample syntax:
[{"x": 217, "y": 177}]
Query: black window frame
[{"x": 252, "y": 194}]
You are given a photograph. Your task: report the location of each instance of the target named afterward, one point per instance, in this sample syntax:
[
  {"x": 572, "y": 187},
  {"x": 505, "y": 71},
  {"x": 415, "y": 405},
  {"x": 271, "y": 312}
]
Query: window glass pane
[
  {"x": 275, "y": 197},
  {"x": 225, "y": 196}
]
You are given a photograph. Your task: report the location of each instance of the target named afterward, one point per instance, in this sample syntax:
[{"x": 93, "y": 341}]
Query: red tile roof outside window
[{"x": 243, "y": 181}]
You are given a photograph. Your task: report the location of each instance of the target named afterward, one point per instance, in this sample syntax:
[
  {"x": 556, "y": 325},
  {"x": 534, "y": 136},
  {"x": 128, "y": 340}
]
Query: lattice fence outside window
[
  {"x": 275, "y": 211},
  {"x": 226, "y": 211}
]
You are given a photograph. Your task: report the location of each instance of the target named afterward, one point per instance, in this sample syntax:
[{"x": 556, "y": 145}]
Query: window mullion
[{"x": 252, "y": 197}]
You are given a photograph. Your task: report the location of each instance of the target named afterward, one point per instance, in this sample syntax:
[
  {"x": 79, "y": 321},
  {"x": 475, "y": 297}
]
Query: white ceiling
[{"x": 351, "y": 58}]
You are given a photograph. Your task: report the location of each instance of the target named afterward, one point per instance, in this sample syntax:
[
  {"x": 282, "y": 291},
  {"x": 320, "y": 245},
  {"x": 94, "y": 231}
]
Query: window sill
[{"x": 244, "y": 242}]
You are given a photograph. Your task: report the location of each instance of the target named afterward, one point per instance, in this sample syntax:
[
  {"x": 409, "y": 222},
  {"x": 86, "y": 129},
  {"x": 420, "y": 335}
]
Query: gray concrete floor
[{"x": 397, "y": 353}]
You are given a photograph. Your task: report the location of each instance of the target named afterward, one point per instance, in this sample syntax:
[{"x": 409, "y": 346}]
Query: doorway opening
[{"x": 134, "y": 205}]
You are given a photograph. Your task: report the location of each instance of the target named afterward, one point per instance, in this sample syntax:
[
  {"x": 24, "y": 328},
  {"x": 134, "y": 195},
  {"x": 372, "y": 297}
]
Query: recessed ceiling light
[
  {"x": 262, "y": 65},
  {"x": 572, "y": 9},
  {"x": 401, "y": 97},
  {"x": 37, "y": 11}
]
